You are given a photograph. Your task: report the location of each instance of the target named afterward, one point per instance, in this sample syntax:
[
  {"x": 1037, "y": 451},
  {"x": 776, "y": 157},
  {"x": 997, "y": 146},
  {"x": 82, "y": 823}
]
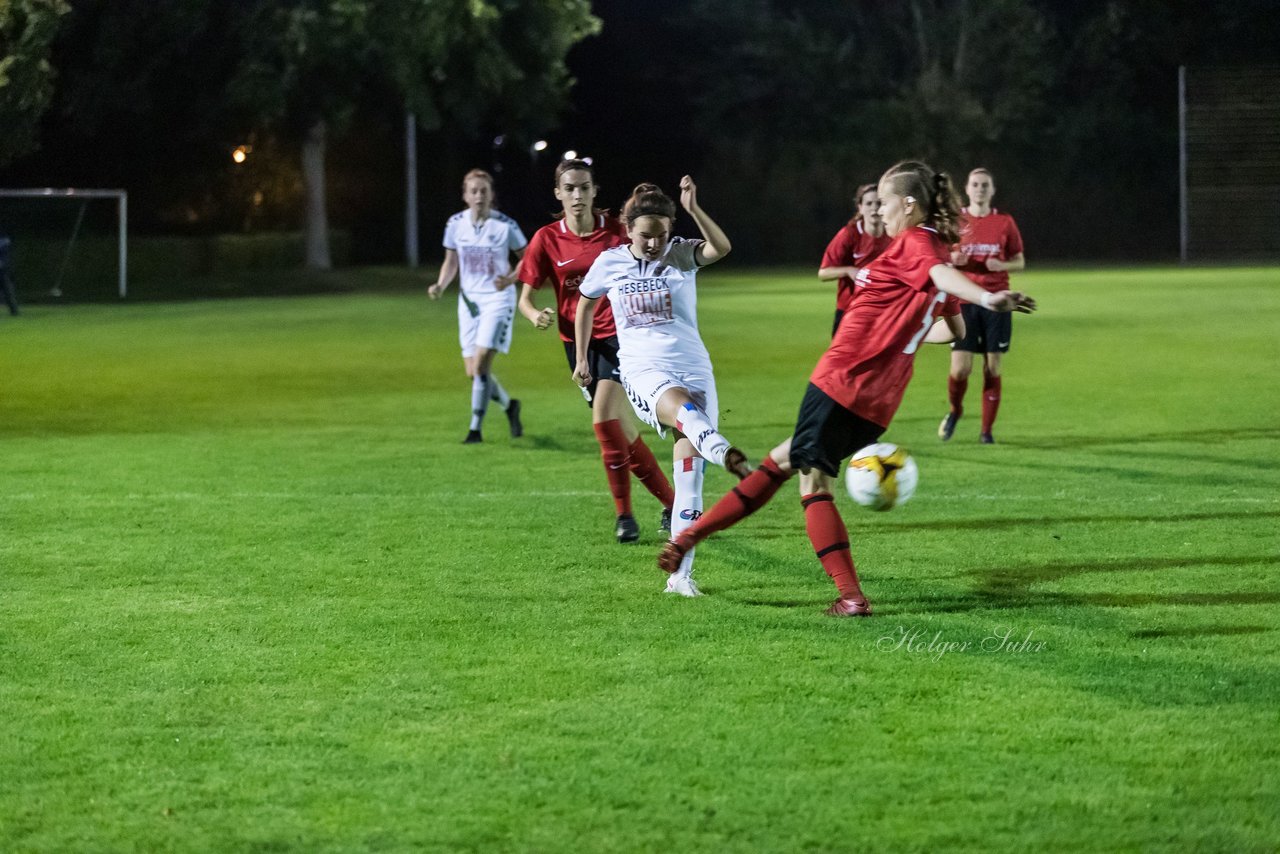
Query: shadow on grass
[
  {"x": 1198, "y": 631},
  {"x": 1002, "y": 523}
]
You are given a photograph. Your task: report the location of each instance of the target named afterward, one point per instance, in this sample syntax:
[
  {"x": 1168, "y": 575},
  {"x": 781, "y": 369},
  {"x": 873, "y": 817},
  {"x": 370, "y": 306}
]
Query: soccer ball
[{"x": 881, "y": 476}]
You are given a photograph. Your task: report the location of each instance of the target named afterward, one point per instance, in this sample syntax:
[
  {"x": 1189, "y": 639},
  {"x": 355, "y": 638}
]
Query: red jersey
[
  {"x": 992, "y": 236},
  {"x": 851, "y": 247},
  {"x": 557, "y": 255},
  {"x": 869, "y": 363}
]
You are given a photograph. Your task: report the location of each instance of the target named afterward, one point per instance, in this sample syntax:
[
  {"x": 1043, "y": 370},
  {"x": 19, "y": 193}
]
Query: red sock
[
  {"x": 647, "y": 471},
  {"x": 990, "y": 400},
  {"x": 956, "y": 387},
  {"x": 752, "y": 493},
  {"x": 830, "y": 541},
  {"x": 616, "y": 457}
]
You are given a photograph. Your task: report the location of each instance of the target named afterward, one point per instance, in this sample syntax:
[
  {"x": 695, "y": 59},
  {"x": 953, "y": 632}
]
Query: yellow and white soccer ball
[{"x": 881, "y": 476}]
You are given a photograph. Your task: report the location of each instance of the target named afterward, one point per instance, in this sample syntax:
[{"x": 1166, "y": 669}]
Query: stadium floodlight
[
  {"x": 241, "y": 153},
  {"x": 85, "y": 196},
  {"x": 570, "y": 155},
  {"x": 540, "y": 145}
]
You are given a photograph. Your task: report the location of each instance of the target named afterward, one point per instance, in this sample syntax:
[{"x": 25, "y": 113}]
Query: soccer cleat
[
  {"x": 986, "y": 439},
  {"x": 849, "y": 608},
  {"x": 628, "y": 531},
  {"x": 513, "y": 417},
  {"x": 948, "y": 426},
  {"x": 735, "y": 462},
  {"x": 672, "y": 553},
  {"x": 473, "y": 438},
  {"x": 683, "y": 584},
  {"x": 664, "y": 521}
]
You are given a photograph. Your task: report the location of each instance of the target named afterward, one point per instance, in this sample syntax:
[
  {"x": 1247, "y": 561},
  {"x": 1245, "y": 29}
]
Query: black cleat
[
  {"x": 473, "y": 438},
  {"x": 628, "y": 531},
  {"x": 513, "y": 417},
  {"x": 664, "y": 521},
  {"x": 948, "y": 426},
  {"x": 986, "y": 439},
  {"x": 735, "y": 462}
]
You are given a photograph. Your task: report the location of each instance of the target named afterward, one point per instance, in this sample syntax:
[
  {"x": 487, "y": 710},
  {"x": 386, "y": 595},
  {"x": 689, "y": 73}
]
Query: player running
[
  {"x": 854, "y": 246},
  {"x": 989, "y": 248},
  {"x": 859, "y": 382},
  {"x": 651, "y": 284},
  {"x": 478, "y": 243},
  {"x": 561, "y": 253}
]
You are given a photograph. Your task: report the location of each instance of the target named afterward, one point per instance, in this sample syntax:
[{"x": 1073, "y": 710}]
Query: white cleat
[{"x": 683, "y": 584}]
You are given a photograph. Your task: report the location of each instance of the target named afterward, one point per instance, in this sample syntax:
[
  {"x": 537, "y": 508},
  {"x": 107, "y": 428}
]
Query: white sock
[
  {"x": 696, "y": 426},
  {"x": 688, "y": 505},
  {"x": 497, "y": 393},
  {"x": 479, "y": 399}
]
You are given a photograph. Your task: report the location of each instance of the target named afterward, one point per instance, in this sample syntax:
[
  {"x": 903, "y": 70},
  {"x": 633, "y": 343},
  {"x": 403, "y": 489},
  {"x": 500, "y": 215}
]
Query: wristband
[{"x": 986, "y": 300}]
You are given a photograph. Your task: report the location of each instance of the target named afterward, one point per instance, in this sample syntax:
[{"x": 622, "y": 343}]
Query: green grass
[{"x": 255, "y": 596}]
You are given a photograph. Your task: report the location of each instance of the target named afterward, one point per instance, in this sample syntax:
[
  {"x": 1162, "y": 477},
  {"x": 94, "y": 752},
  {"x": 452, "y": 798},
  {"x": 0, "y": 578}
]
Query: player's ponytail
[
  {"x": 648, "y": 200},
  {"x": 933, "y": 191}
]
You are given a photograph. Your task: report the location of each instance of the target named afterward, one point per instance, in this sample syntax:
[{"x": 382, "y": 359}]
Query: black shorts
[
  {"x": 985, "y": 331},
  {"x": 602, "y": 358},
  {"x": 826, "y": 433}
]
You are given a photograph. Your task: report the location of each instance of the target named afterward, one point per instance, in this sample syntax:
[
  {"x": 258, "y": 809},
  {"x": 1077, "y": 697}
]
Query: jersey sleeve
[
  {"x": 1012, "y": 239},
  {"x": 533, "y": 269},
  {"x": 450, "y": 238},
  {"x": 683, "y": 254},
  {"x": 922, "y": 252},
  {"x": 839, "y": 251},
  {"x": 595, "y": 283},
  {"x": 515, "y": 237}
]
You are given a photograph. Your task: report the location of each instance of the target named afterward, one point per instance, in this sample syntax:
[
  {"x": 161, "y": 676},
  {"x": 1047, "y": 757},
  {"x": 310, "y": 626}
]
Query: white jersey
[
  {"x": 484, "y": 250},
  {"x": 655, "y": 305}
]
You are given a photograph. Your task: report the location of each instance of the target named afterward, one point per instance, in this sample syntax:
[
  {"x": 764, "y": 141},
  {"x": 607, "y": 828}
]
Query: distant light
[
  {"x": 258, "y": 197},
  {"x": 570, "y": 155},
  {"x": 499, "y": 140},
  {"x": 241, "y": 153},
  {"x": 588, "y": 161},
  {"x": 540, "y": 145}
]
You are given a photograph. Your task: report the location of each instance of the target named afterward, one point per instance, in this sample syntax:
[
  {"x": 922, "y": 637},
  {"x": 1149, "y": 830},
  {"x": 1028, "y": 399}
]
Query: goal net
[
  {"x": 69, "y": 242},
  {"x": 1229, "y": 121}
]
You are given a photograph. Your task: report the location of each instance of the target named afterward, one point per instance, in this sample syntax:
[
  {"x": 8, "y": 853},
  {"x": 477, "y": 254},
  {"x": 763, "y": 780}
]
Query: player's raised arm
[
  {"x": 717, "y": 243},
  {"x": 952, "y": 281}
]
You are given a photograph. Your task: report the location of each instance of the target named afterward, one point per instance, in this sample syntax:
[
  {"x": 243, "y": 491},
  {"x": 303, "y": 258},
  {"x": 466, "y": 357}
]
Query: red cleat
[
  {"x": 671, "y": 555},
  {"x": 849, "y": 608}
]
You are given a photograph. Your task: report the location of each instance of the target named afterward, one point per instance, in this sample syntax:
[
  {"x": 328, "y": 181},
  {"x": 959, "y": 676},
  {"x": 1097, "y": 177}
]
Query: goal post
[{"x": 122, "y": 216}]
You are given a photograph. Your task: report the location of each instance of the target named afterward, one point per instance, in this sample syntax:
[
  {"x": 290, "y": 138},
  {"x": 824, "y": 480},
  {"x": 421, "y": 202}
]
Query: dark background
[{"x": 779, "y": 109}]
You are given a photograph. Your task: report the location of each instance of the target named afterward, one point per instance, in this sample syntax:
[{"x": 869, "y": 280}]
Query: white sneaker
[{"x": 683, "y": 584}]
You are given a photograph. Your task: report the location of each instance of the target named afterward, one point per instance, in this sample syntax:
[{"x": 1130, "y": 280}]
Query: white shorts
[
  {"x": 486, "y": 322},
  {"x": 645, "y": 385}
]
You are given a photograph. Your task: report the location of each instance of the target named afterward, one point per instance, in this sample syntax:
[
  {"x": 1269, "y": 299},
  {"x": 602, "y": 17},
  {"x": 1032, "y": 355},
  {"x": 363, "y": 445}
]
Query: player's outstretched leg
[
  {"x": 709, "y": 443},
  {"x": 747, "y": 497}
]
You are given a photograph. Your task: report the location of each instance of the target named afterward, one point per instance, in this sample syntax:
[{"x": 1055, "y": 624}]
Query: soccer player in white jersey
[
  {"x": 478, "y": 244},
  {"x": 651, "y": 283}
]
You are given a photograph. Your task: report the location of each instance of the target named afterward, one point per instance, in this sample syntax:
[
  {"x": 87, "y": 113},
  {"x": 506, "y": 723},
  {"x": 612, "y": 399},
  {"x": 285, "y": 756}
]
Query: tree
[
  {"x": 27, "y": 30},
  {"x": 309, "y": 63}
]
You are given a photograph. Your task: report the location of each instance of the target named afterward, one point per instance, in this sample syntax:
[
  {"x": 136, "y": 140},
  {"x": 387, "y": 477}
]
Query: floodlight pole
[
  {"x": 411, "y": 189},
  {"x": 1184, "y": 229},
  {"x": 123, "y": 208}
]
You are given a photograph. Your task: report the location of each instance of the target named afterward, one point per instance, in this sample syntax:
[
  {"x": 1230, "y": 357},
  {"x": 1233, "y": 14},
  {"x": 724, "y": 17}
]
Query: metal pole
[
  {"x": 1184, "y": 228},
  {"x": 411, "y": 189},
  {"x": 124, "y": 243}
]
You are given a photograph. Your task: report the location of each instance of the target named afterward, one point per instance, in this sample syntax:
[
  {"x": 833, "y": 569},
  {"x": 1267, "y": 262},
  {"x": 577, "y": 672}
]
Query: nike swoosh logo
[
  {"x": 562, "y": 263},
  {"x": 1003, "y": 344},
  {"x": 612, "y": 467}
]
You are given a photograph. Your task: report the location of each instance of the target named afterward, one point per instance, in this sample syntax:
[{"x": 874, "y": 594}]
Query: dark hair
[
  {"x": 648, "y": 200},
  {"x": 572, "y": 165},
  {"x": 931, "y": 190},
  {"x": 857, "y": 202}
]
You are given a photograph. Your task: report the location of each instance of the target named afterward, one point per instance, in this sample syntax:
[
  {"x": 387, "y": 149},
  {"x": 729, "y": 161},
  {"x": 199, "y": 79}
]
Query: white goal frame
[{"x": 122, "y": 212}]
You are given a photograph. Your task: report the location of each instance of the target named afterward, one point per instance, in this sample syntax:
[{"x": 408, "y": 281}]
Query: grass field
[{"x": 255, "y": 596}]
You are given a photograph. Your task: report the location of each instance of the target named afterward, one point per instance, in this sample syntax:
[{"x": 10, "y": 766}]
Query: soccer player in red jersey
[
  {"x": 561, "y": 254},
  {"x": 854, "y": 246},
  {"x": 989, "y": 248},
  {"x": 858, "y": 383}
]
